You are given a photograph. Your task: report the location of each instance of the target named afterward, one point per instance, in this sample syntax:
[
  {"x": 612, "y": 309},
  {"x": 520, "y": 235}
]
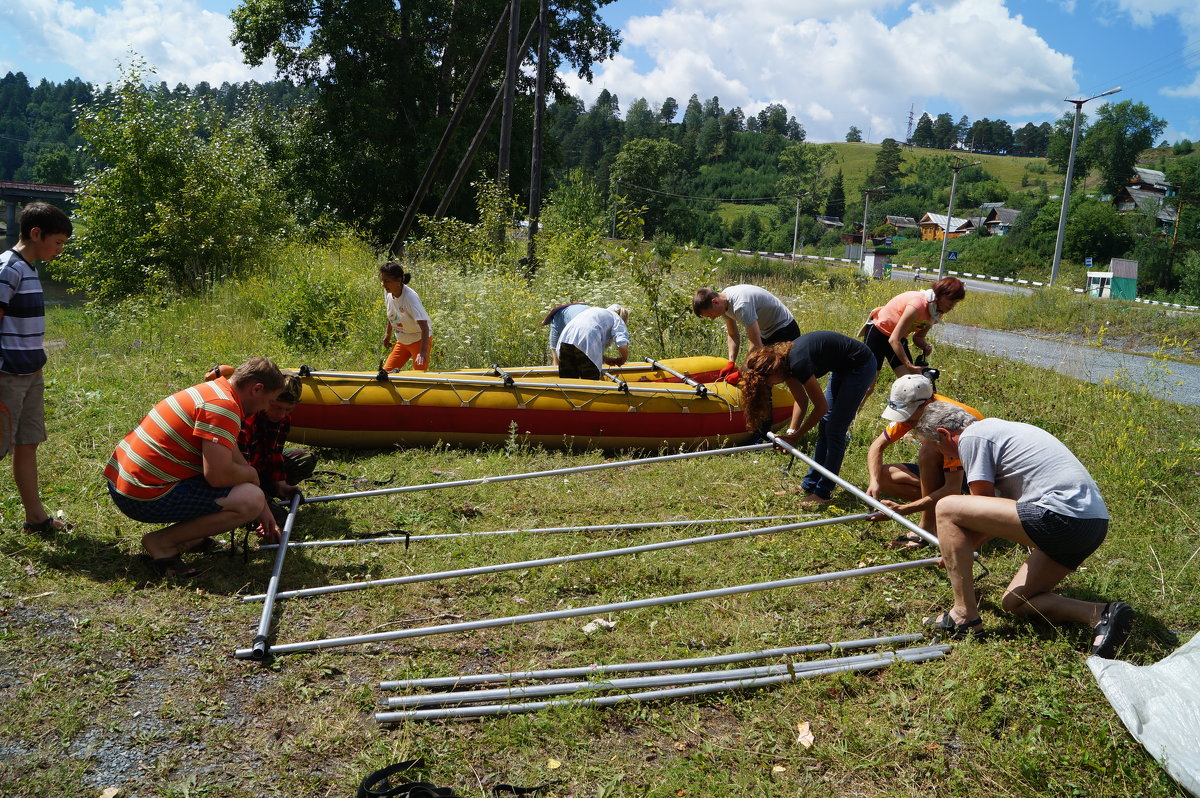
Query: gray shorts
[
  {"x": 1066, "y": 540},
  {"x": 22, "y": 410}
]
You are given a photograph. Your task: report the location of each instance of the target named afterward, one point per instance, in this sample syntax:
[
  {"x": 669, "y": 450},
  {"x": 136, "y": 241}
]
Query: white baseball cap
[{"x": 908, "y": 393}]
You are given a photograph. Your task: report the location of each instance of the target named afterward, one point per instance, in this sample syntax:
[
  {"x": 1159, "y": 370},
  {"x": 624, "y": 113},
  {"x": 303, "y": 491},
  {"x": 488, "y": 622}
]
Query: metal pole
[
  {"x": 701, "y": 389},
  {"x": 560, "y": 560},
  {"x": 1066, "y": 197},
  {"x": 466, "y": 680},
  {"x": 650, "y": 695},
  {"x": 796, "y": 229},
  {"x": 460, "y": 110},
  {"x": 533, "y": 531},
  {"x": 259, "y": 648},
  {"x": 520, "y": 692},
  {"x": 820, "y": 469},
  {"x": 539, "y": 113},
  {"x": 476, "y": 142},
  {"x": 554, "y": 472},
  {"x": 510, "y": 89},
  {"x": 488, "y": 381},
  {"x": 950, "y": 216},
  {"x": 599, "y": 609},
  {"x": 862, "y": 255}
]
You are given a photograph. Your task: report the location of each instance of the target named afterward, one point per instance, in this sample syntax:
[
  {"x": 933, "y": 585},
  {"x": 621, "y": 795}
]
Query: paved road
[
  {"x": 984, "y": 286},
  {"x": 1170, "y": 380}
]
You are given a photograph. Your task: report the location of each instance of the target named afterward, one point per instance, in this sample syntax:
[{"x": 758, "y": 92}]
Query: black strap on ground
[
  {"x": 379, "y": 784},
  {"x": 391, "y": 533}
]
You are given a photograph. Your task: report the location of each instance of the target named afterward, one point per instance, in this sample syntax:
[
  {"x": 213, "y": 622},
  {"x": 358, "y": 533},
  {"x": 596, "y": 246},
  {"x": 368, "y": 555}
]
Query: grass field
[{"x": 111, "y": 678}]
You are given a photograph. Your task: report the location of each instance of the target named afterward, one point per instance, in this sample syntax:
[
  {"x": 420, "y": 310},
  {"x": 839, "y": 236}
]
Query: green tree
[
  {"x": 888, "y": 160},
  {"x": 923, "y": 133},
  {"x": 183, "y": 198},
  {"x": 388, "y": 75},
  {"x": 640, "y": 171},
  {"x": 668, "y": 110},
  {"x": 854, "y": 134},
  {"x": 803, "y": 169},
  {"x": 1095, "y": 229},
  {"x": 640, "y": 122},
  {"x": 943, "y": 132},
  {"x": 835, "y": 203},
  {"x": 1116, "y": 139}
]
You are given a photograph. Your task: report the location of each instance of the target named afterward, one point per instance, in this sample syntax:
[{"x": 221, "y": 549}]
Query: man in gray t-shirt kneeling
[{"x": 1027, "y": 487}]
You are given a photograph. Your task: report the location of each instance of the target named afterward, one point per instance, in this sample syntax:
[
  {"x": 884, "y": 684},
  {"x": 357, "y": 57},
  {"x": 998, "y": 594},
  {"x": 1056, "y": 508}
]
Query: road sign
[
  {"x": 952, "y": 256},
  {"x": 1087, "y": 262},
  {"x": 887, "y": 242}
]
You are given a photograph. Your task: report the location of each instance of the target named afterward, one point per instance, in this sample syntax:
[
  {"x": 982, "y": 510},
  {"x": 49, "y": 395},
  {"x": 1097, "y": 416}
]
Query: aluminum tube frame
[
  {"x": 650, "y": 695},
  {"x": 259, "y": 648},
  {"x": 701, "y": 389},
  {"x": 560, "y": 560},
  {"x": 861, "y": 494},
  {"x": 554, "y": 472},
  {"x": 497, "y": 382},
  {"x": 599, "y": 609},
  {"x": 545, "y": 530},
  {"x": 520, "y": 692},
  {"x": 464, "y": 680}
]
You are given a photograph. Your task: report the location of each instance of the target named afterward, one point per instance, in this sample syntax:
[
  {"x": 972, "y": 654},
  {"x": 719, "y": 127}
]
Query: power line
[{"x": 706, "y": 199}]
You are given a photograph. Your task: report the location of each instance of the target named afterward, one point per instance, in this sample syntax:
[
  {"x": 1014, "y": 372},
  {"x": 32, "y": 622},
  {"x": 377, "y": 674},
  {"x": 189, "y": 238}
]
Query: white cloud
[
  {"x": 182, "y": 41},
  {"x": 839, "y": 63}
]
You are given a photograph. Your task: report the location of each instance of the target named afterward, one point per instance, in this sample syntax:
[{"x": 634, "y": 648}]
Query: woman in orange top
[{"x": 913, "y": 312}]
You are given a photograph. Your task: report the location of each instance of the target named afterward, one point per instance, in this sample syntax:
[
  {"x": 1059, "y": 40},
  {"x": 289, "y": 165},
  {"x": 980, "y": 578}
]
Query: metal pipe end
[{"x": 259, "y": 650}]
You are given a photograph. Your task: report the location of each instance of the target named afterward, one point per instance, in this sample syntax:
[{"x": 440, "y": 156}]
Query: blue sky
[{"x": 832, "y": 63}]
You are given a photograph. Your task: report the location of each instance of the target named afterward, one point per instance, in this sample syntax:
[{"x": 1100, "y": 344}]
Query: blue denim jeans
[{"x": 843, "y": 395}]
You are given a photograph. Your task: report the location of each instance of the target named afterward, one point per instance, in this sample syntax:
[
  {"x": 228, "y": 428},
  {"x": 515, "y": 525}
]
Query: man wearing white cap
[
  {"x": 919, "y": 484},
  {"x": 583, "y": 341}
]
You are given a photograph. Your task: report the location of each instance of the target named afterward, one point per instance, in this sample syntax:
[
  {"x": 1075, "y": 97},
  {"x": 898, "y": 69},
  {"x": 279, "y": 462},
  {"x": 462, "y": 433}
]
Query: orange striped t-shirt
[{"x": 164, "y": 449}]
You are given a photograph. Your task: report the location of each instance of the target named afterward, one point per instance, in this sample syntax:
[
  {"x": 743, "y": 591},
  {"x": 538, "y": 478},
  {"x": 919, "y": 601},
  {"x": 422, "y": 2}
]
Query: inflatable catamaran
[{"x": 672, "y": 403}]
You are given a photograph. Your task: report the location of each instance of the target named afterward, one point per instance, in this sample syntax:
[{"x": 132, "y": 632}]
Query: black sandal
[
  {"x": 943, "y": 622},
  {"x": 908, "y": 540},
  {"x": 48, "y": 526},
  {"x": 1113, "y": 630}
]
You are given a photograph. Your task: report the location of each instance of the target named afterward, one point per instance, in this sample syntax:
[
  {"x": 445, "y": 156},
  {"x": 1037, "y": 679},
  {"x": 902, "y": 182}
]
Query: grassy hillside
[{"x": 859, "y": 159}]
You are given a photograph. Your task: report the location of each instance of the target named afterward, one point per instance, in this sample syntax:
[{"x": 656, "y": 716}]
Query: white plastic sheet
[{"x": 1160, "y": 705}]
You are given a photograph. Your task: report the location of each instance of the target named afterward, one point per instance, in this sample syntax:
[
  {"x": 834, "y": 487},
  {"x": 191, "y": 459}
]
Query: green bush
[{"x": 181, "y": 199}]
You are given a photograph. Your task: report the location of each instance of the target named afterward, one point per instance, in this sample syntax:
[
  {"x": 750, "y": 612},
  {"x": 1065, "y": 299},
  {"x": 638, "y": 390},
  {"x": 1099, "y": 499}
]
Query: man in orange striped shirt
[{"x": 181, "y": 465}]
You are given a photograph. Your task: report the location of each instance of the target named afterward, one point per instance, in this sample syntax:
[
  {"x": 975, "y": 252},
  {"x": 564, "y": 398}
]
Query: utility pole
[
  {"x": 510, "y": 88},
  {"x": 862, "y": 255},
  {"x": 1066, "y": 197},
  {"x": 796, "y": 228},
  {"x": 950, "y": 215},
  {"x": 539, "y": 113}
]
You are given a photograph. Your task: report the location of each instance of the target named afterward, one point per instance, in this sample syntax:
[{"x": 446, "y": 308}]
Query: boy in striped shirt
[
  {"x": 44, "y": 231},
  {"x": 181, "y": 465}
]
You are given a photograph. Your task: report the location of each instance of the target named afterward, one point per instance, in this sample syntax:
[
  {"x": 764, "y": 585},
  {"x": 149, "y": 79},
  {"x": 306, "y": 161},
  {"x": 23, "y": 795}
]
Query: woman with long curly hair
[
  {"x": 911, "y": 313},
  {"x": 799, "y": 364}
]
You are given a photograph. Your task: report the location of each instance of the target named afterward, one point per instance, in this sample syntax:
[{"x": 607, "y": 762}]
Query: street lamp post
[
  {"x": 950, "y": 215},
  {"x": 796, "y": 228},
  {"x": 1066, "y": 197},
  {"x": 862, "y": 254}
]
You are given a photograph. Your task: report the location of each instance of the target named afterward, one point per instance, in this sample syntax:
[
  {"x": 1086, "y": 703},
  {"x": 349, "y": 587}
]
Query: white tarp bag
[{"x": 1160, "y": 705}]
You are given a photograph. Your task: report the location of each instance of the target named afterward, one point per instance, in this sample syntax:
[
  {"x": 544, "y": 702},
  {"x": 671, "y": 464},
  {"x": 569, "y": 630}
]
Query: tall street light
[
  {"x": 862, "y": 255},
  {"x": 950, "y": 215},
  {"x": 796, "y": 227},
  {"x": 1066, "y": 197}
]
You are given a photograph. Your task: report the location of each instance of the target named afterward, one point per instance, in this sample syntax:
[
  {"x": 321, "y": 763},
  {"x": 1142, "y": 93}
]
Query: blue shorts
[
  {"x": 191, "y": 498},
  {"x": 1066, "y": 540}
]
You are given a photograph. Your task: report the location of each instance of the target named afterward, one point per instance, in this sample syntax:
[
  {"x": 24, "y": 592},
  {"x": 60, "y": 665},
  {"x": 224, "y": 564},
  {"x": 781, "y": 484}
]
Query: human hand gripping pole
[{"x": 873, "y": 503}]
